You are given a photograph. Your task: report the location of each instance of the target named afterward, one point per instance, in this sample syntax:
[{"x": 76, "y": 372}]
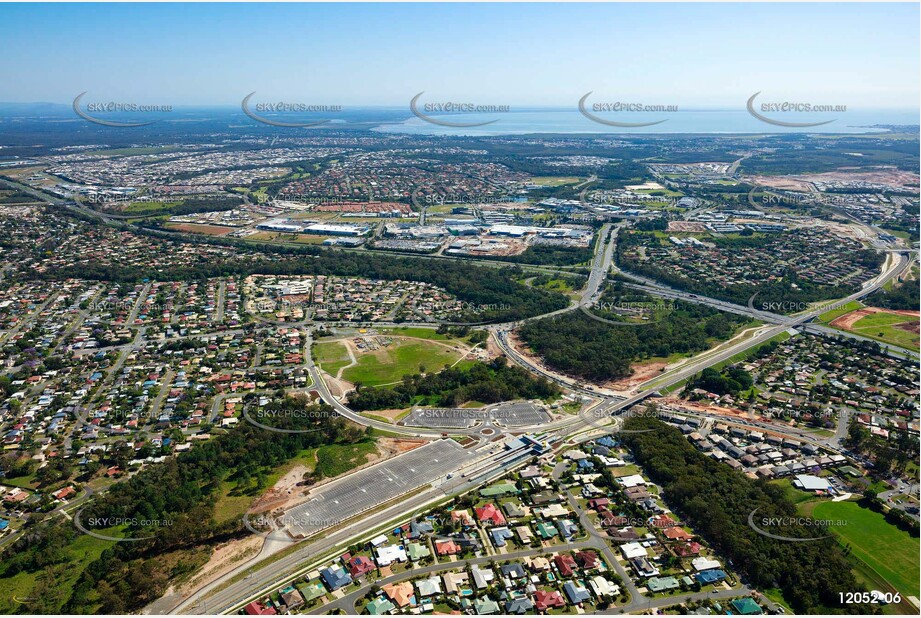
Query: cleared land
[
  {"x": 331, "y": 356},
  {"x": 404, "y": 356},
  {"x": 899, "y": 328},
  {"x": 881, "y": 547},
  {"x": 554, "y": 181}
]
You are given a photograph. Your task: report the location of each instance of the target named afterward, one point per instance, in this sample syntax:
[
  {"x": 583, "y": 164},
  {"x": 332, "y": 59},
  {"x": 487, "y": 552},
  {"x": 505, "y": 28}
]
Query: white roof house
[
  {"x": 632, "y": 481},
  {"x": 633, "y": 550},
  {"x": 602, "y": 587},
  {"x": 807, "y": 482},
  {"x": 704, "y": 564},
  {"x": 390, "y": 554}
]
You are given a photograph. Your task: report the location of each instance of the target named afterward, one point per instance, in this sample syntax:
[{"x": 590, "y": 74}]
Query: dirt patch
[
  {"x": 193, "y": 228},
  {"x": 709, "y": 409},
  {"x": 337, "y": 386},
  {"x": 847, "y": 321},
  {"x": 390, "y": 415},
  {"x": 890, "y": 176},
  {"x": 493, "y": 348},
  {"x": 224, "y": 559},
  {"x": 398, "y": 445},
  {"x": 284, "y": 491},
  {"x": 641, "y": 373},
  {"x": 686, "y": 226}
]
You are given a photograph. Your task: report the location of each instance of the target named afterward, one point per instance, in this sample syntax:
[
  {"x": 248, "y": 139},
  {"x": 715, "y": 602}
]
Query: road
[{"x": 225, "y": 596}]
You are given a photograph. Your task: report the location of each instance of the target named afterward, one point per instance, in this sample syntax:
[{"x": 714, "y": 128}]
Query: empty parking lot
[{"x": 365, "y": 489}]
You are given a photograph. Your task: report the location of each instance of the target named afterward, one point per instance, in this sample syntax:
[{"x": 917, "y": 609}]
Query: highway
[{"x": 223, "y": 594}]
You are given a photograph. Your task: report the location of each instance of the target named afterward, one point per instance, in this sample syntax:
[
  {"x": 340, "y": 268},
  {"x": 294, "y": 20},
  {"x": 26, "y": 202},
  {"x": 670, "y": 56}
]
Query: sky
[{"x": 692, "y": 55}]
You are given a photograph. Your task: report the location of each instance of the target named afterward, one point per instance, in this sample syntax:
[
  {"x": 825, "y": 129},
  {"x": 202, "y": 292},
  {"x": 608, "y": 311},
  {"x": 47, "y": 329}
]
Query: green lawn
[
  {"x": 834, "y": 314},
  {"x": 792, "y": 494},
  {"x": 554, "y": 181},
  {"x": 883, "y": 326},
  {"x": 419, "y": 332},
  {"x": 886, "y": 550},
  {"x": 331, "y": 356},
  {"x": 148, "y": 207},
  {"x": 337, "y": 459},
  {"x": 402, "y": 357},
  {"x": 30, "y": 585}
]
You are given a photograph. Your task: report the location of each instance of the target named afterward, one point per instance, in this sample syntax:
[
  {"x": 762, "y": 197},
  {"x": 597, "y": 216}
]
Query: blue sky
[{"x": 860, "y": 55}]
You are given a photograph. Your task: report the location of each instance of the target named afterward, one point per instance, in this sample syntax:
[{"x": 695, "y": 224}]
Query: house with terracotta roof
[
  {"x": 446, "y": 547},
  {"x": 462, "y": 517},
  {"x": 258, "y": 609},
  {"x": 587, "y": 559},
  {"x": 687, "y": 549},
  {"x": 401, "y": 594},
  {"x": 565, "y": 563},
  {"x": 360, "y": 565},
  {"x": 677, "y": 533},
  {"x": 490, "y": 514},
  {"x": 548, "y": 599},
  {"x": 64, "y": 493}
]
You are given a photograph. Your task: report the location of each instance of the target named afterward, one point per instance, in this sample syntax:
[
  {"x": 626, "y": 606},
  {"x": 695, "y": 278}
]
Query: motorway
[{"x": 224, "y": 597}]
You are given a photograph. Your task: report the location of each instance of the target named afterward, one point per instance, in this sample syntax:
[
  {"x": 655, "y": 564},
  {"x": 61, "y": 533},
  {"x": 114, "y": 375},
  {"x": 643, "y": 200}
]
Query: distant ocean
[{"x": 691, "y": 121}]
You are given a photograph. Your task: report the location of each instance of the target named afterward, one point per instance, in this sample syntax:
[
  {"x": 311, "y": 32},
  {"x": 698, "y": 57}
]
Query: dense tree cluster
[
  {"x": 717, "y": 502},
  {"x": 907, "y": 296},
  {"x": 484, "y": 382},
  {"x": 496, "y": 293},
  {"x": 579, "y": 345},
  {"x": 889, "y": 456},
  {"x": 182, "y": 491},
  {"x": 787, "y": 292},
  {"x": 191, "y": 205},
  {"x": 550, "y": 255},
  {"x": 730, "y": 381}
]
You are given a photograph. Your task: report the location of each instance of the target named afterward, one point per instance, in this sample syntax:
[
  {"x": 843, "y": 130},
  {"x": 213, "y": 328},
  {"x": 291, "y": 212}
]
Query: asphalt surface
[{"x": 279, "y": 571}]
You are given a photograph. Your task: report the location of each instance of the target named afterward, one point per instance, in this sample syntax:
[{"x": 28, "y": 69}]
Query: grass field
[
  {"x": 556, "y": 285},
  {"x": 879, "y": 548},
  {"x": 554, "y": 181},
  {"x": 337, "y": 459},
  {"x": 145, "y": 208},
  {"x": 331, "y": 356},
  {"x": 792, "y": 494},
  {"x": 403, "y": 356},
  {"x": 834, "y": 314},
  {"x": 418, "y": 332},
  {"x": 17, "y": 590},
  {"x": 884, "y": 327},
  {"x": 229, "y": 506}
]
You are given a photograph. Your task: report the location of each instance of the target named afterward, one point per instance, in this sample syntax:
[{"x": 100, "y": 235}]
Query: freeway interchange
[{"x": 487, "y": 460}]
